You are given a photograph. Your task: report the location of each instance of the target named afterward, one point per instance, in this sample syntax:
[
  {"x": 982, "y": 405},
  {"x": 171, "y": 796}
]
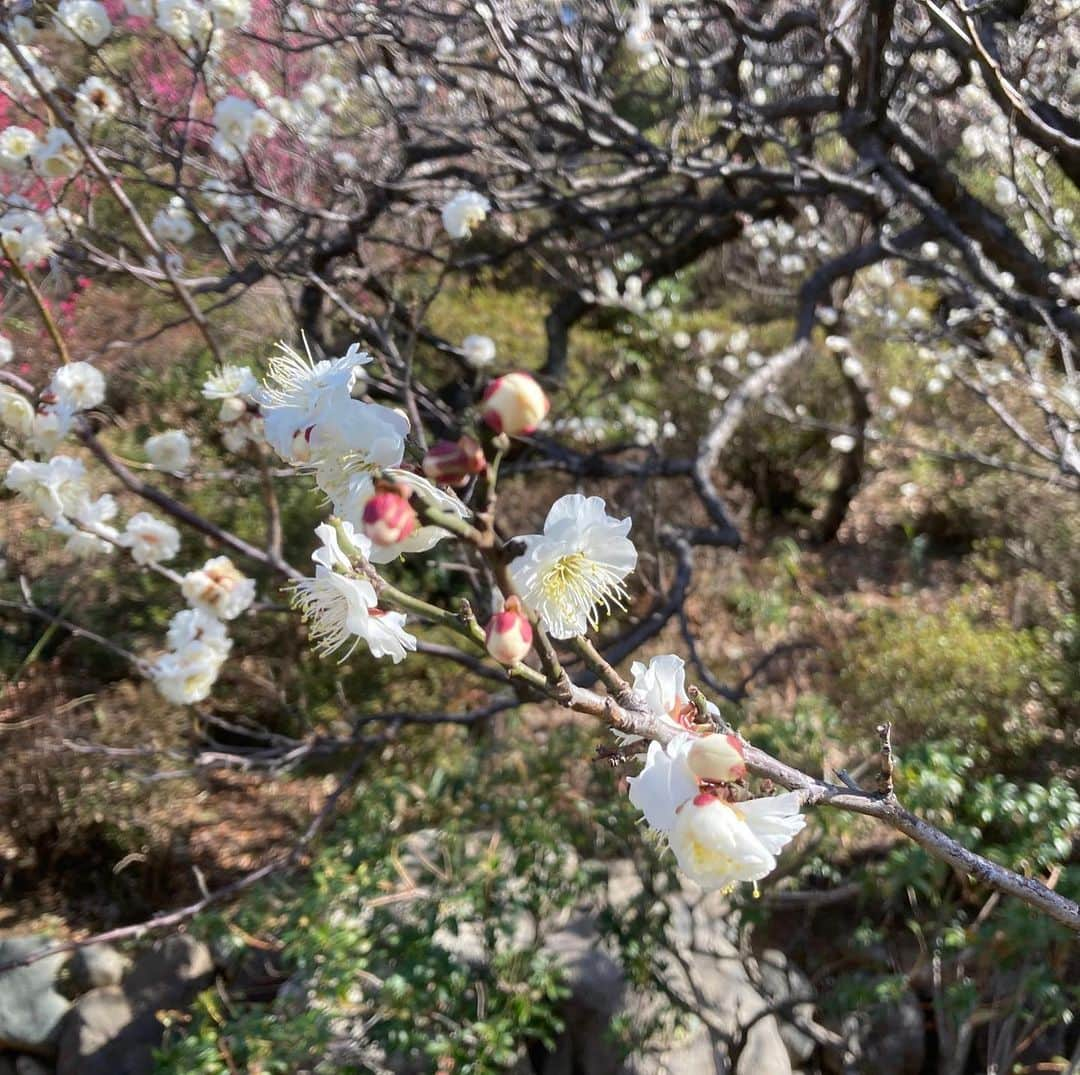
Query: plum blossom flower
[
  {"x": 464, "y": 212},
  {"x": 234, "y": 386},
  {"x": 576, "y": 567},
  {"x": 56, "y": 156},
  {"x": 183, "y": 20},
  {"x": 16, "y": 412},
  {"x": 198, "y": 647},
  {"x": 338, "y": 607},
  {"x": 311, "y": 416},
  {"x": 78, "y": 386},
  {"x": 169, "y": 451},
  {"x": 151, "y": 540},
  {"x": 664, "y": 784},
  {"x": 229, "y": 14},
  {"x": 219, "y": 588},
  {"x": 50, "y": 425},
  {"x": 479, "y": 351},
  {"x": 17, "y": 146},
  {"x": 172, "y": 224},
  {"x": 718, "y": 844},
  {"x": 234, "y": 119},
  {"x": 83, "y": 20},
  {"x": 90, "y": 533},
  {"x": 7, "y": 350},
  {"x": 95, "y": 101},
  {"x": 662, "y": 683},
  {"x": 56, "y": 488}
]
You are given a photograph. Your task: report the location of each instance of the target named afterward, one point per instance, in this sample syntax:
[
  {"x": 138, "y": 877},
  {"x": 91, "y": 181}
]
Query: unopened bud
[
  {"x": 388, "y": 518},
  {"x": 717, "y": 759},
  {"x": 232, "y": 409},
  {"x": 509, "y": 634},
  {"x": 514, "y": 404},
  {"x": 454, "y": 462}
]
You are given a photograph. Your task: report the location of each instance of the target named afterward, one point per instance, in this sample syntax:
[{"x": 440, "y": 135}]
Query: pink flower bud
[
  {"x": 454, "y": 462},
  {"x": 514, "y": 404},
  {"x": 509, "y": 634},
  {"x": 717, "y": 759},
  {"x": 388, "y": 518}
]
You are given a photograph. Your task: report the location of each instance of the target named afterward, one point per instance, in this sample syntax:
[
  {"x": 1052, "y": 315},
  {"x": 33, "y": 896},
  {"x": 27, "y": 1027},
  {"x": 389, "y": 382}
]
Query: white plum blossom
[
  {"x": 83, "y": 20},
  {"x": 338, "y": 606},
  {"x": 169, "y": 451},
  {"x": 184, "y": 21},
  {"x": 638, "y": 37},
  {"x": 229, "y": 14},
  {"x": 51, "y": 424},
  {"x": 464, "y": 212},
  {"x": 173, "y": 224},
  {"x": 662, "y": 684},
  {"x": 198, "y": 647},
  {"x": 16, "y": 412},
  {"x": 151, "y": 540},
  {"x": 479, "y": 351},
  {"x": 900, "y": 397},
  {"x": 17, "y": 147},
  {"x": 310, "y": 415},
  {"x": 576, "y": 567},
  {"x": 78, "y": 386},
  {"x": 95, "y": 101},
  {"x": 219, "y": 588},
  {"x": 843, "y": 442},
  {"x": 664, "y": 784},
  {"x": 230, "y": 382},
  {"x": 56, "y": 156},
  {"x": 7, "y": 351},
  {"x": 192, "y": 625},
  {"x": 718, "y": 844},
  {"x": 56, "y": 488},
  {"x": 88, "y": 531},
  {"x": 234, "y": 120}
]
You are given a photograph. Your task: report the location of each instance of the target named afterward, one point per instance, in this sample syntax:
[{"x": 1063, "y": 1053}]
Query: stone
[
  {"x": 789, "y": 991},
  {"x": 890, "y": 1040},
  {"x": 114, "y": 1029},
  {"x": 97, "y": 965},
  {"x": 597, "y": 993},
  {"x": 30, "y": 1007}
]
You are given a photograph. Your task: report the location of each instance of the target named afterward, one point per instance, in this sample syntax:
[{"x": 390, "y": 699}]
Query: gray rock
[
  {"x": 597, "y": 993},
  {"x": 177, "y": 967},
  {"x": 114, "y": 1029},
  {"x": 30, "y": 1007},
  {"x": 789, "y": 991},
  {"x": 97, "y": 966},
  {"x": 890, "y": 1040}
]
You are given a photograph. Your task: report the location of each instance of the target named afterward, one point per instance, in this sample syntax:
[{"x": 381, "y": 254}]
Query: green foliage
[
  {"x": 418, "y": 932},
  {"x": 952, "y": 675}
]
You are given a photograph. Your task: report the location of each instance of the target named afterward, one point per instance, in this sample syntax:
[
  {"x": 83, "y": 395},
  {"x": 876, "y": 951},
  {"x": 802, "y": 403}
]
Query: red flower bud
[
  {"x": 388, "y": 518},
  {"x": 509, "y": 634},
  {"x": 454, "y": 462},
  {"x": 514, "y": 404}
]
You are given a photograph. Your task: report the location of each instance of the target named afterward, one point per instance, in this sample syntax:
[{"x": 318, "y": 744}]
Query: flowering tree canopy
[{"x": 896, "y": 170}]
